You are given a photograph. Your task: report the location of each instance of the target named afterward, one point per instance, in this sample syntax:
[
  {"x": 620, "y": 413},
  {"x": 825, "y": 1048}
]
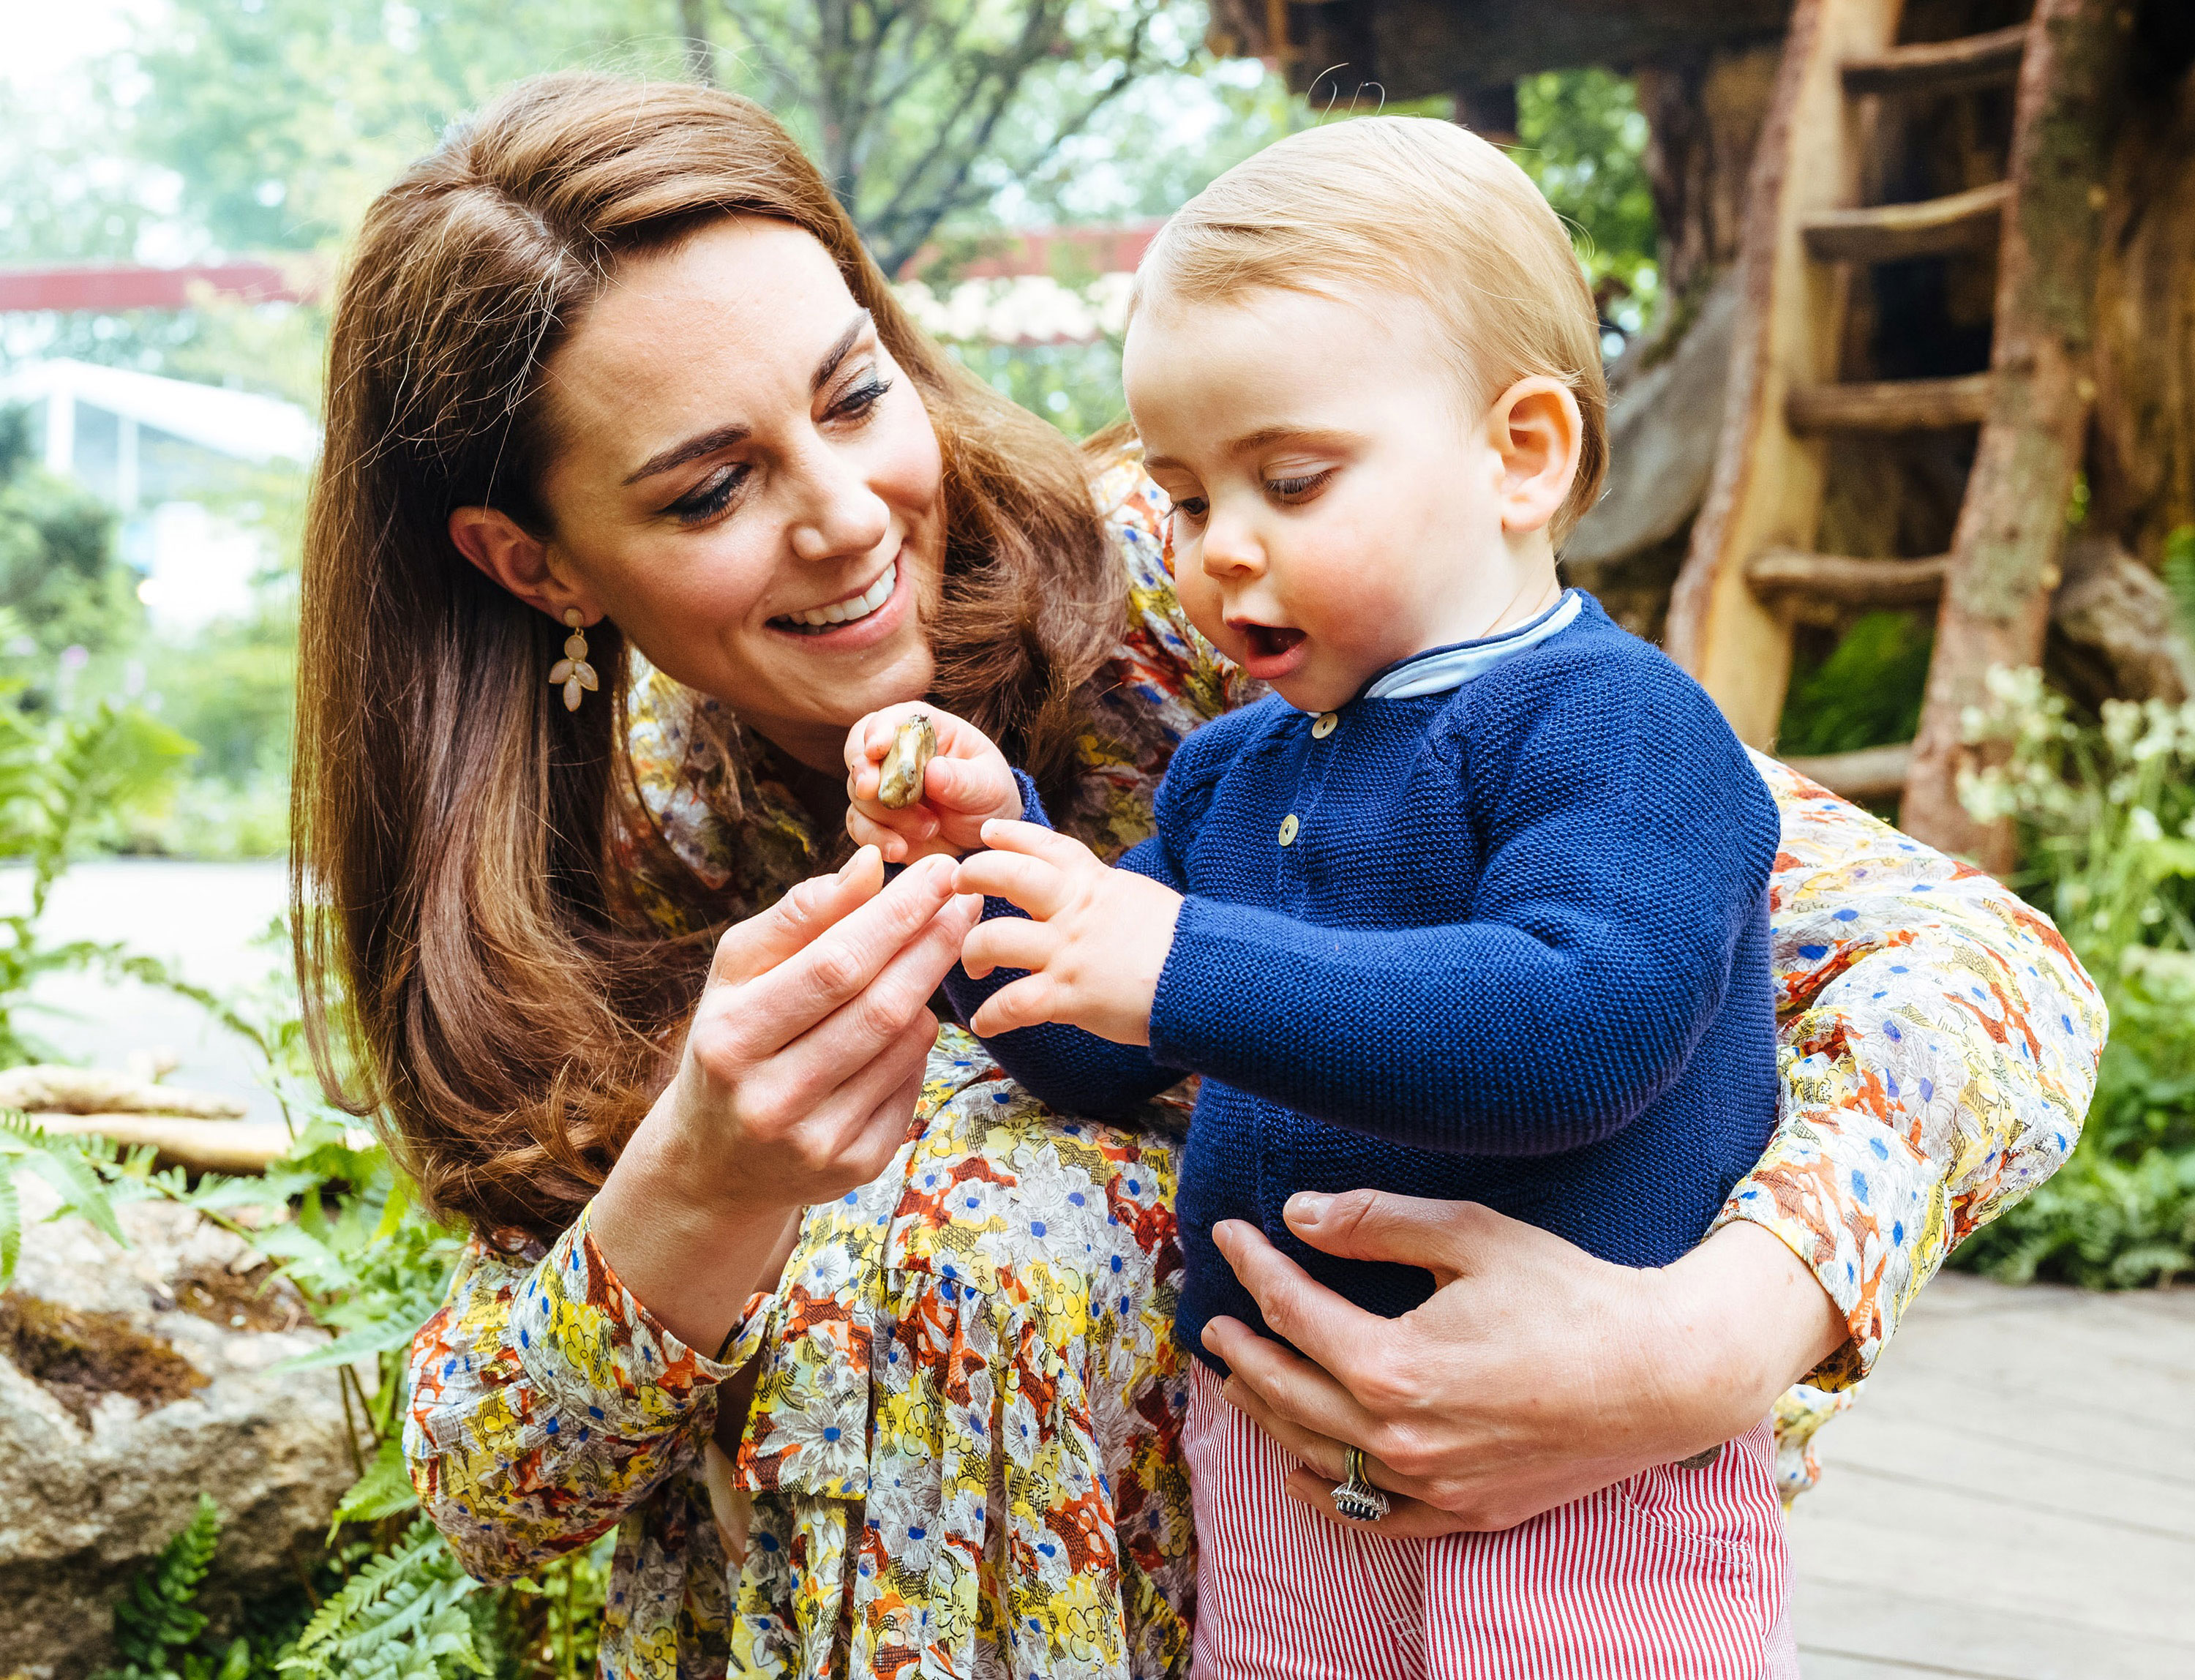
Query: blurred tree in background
[
  {"x": 227, "y": 129},
  {"x": 61, "y": 587},
  {"x": 921, "y": 110},
  {"x": 1582, "y": 139}
]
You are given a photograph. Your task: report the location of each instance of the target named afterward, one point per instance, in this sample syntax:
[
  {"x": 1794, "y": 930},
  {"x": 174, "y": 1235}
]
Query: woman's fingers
[
  {"x": 815, "y": 1063},
  {"x": 859, "y": 1126},
  {"x": 1292, "y": 1390},
  {"x": 1407, "y": 1519},
  {"x": 1442, "y": 1237},
  {"x": 1338, "y": 1335},
  {"x": 760, "y": 943},
  {"x": 776, "y": 1007}
]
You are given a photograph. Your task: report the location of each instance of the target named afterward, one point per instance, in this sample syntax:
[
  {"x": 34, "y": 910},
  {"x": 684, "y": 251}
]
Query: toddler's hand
[
  {"x": 1094, "y": 952},
  {"x": 966, "y": 783}
]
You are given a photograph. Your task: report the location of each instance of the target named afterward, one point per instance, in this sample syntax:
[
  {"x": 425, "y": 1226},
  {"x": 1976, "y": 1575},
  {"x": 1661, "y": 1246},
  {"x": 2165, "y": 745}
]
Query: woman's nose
[{"x": 837, "y": 512}]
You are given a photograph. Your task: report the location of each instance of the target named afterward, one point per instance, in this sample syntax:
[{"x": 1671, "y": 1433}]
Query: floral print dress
[{"x": 961, "y": 1456}]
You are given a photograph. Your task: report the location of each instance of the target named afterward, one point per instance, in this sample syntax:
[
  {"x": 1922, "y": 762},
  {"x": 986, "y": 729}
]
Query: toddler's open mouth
[
  {"x": 1273, "y": 650},
  {"x": 1268, "y": 641}
]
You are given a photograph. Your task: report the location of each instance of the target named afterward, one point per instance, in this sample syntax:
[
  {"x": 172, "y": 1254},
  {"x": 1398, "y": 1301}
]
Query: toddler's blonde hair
[{"x": 1411, "y": 204}]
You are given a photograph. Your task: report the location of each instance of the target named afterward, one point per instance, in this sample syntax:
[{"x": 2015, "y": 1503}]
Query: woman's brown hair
[{"x": 451, "y": 890}]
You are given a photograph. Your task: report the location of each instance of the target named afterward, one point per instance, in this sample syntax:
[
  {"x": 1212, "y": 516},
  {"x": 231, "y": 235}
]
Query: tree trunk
[
  {"x": 2004, "y": 556},
  {"x": 700, "y": 55}
]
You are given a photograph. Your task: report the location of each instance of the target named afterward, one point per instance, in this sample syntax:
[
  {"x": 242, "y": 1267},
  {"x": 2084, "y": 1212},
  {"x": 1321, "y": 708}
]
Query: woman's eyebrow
[
  {"x": 707, "y": 443},
  {"x": 723, "y": 438},
  {"x": 839, "y": 352}
]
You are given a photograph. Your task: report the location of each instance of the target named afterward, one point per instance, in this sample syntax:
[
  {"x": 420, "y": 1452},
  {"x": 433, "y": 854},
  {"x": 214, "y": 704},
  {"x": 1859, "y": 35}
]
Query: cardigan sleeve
[
  {"x": 1624, "y": 845},
  {"x": 1938, "y": 1046}
]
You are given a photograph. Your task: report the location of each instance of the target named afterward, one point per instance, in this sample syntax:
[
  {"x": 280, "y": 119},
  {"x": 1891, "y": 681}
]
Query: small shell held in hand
[{"x": 913, "y": 745}]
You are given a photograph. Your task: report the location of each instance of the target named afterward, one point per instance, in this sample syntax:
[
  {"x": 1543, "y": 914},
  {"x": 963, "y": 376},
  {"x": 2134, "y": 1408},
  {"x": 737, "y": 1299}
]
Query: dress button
[
  {"x": 1324, "y": 726},
  {"x": 1289, "y": 827}
]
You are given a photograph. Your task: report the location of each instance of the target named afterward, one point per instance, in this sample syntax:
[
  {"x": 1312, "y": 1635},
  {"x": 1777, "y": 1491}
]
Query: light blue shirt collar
[{"x": 1437, "y": 670}]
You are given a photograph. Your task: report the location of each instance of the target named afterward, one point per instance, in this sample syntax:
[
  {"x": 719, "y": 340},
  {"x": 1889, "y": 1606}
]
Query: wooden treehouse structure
[{"x": 1932, "y": 274}]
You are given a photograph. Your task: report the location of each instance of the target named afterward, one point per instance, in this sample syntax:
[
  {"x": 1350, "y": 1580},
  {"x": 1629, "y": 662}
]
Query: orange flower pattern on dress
[{"x": 962, "y": 1452}]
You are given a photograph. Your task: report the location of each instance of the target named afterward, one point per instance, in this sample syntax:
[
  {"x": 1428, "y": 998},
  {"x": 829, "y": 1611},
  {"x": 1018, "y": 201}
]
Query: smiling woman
[{"x": 667, "y": 390}]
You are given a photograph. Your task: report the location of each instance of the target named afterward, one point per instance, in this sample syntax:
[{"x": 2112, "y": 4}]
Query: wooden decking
[{"x": 2013, "y": 1497}]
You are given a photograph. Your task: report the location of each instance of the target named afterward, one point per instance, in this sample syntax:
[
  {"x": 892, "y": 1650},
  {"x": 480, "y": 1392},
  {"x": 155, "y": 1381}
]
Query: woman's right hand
[{"x": 799, "y": 1075}]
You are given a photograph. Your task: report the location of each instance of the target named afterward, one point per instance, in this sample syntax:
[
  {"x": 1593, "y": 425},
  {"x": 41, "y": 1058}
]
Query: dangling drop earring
[{"x": 572, "y": 670}]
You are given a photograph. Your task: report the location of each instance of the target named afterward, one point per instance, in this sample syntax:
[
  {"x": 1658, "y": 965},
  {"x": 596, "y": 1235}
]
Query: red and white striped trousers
[{"x": 1675, "y": 1574}]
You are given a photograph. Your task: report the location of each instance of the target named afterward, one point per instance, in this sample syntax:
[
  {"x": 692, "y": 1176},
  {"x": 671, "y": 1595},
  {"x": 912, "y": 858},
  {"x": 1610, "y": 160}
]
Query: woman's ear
[
  {"x": 1536, "y": 429},
  {"x": 493, "y": 541}
]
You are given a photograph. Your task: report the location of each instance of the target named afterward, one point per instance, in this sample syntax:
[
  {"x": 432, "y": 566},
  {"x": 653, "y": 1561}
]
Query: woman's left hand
[{"x": 1535, "y": 1375}]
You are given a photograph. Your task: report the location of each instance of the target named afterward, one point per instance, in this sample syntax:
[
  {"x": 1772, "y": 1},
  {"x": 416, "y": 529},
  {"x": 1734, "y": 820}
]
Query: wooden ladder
[{"x": 1752, "y": 566}]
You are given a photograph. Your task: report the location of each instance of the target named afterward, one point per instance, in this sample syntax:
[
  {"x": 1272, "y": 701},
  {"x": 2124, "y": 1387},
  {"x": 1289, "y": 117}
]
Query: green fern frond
[
  {"x": 156, "y": 1616},
  {"x": 11, "y": 1228},
  {"x": 401, "y": 1617},
  {"x": 384, "y": 1490}
]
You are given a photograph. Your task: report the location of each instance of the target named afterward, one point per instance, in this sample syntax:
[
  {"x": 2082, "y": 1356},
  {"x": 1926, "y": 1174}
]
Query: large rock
[{"x": 131, "y": 1380}]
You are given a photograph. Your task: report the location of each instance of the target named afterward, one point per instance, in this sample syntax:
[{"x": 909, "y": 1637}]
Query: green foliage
[
  {"x": 60, "y": 583},
  {"x": 1582, "y": 139},
  {"x": 402, "y": 1617},
  {"x": 57, "y": 776},
  {"x": 1867, "y": 693},
  {"x": 921, "y": 110},
  {"x": 156, "y": 1619},
  {"x": 2106, "y": 815},
  {"x": 343, "y": 1228}
]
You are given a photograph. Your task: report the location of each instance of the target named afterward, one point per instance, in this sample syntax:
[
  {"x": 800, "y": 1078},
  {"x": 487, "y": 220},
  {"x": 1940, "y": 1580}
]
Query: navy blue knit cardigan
[{"x": 1506, "y": 942}]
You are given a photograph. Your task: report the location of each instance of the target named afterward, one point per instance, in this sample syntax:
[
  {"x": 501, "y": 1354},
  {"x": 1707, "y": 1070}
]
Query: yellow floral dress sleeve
[
  {"x": 1938, "y": 1049},
  {"x": 962, "y": 1456},
  {"x": 547, "y": 1406}
]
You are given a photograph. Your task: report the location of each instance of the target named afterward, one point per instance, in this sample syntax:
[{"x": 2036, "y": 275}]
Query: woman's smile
[{"x": 875, "y": 609}]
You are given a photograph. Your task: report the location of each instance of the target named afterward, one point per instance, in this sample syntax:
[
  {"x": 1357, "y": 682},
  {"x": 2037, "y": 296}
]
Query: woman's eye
[
  {"x": 710, "y": 497},
  {"x": 1298, "y": 489},
  {"x": 861, "y": 398}
]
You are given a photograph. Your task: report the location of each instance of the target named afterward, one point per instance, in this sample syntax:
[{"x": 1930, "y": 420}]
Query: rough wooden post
[{"x": 2004, "y": 557}]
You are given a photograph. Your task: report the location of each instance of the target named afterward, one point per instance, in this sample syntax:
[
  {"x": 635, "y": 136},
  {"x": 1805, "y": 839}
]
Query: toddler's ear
[{"x": 1536, "y": 427}]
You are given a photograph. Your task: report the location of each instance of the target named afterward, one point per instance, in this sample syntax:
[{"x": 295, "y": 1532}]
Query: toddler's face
[{"x": 1336, "y": 508}]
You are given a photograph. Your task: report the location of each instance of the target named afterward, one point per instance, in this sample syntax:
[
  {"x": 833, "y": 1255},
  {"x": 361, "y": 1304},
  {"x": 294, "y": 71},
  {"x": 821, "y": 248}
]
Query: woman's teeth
[{"x": 846, "y": 612}]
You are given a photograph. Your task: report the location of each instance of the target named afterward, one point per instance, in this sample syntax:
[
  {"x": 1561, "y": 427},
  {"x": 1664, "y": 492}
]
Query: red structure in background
[
  {"x": 107, "y": 288},
  {"x": 118, "y": 287}
]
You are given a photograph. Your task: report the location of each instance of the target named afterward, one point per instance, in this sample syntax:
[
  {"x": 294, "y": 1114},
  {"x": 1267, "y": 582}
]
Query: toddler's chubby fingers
[
  {"x": 869, "y": 739},
  {"x": 972, "y": 786},
  {"x": 1036, "y": 886},
  {"x": 1033, "y": 839},
  {"x": 895, "y": 833},
  {"x": 1007, "y": 942},
  {"x": 1030, "y": 1001}
]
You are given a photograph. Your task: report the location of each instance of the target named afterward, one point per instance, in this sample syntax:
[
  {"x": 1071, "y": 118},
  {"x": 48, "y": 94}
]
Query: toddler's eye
[
  {"x": 1298, "y": 489},
  {"x": 1193, "y": 508}
]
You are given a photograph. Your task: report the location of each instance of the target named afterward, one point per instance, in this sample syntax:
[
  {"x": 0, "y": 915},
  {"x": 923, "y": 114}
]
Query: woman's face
[{"x": 744, "y": 480}]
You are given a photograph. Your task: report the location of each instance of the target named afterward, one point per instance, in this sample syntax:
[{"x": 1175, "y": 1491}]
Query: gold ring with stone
[{"x": 1356, "y": 1498}]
